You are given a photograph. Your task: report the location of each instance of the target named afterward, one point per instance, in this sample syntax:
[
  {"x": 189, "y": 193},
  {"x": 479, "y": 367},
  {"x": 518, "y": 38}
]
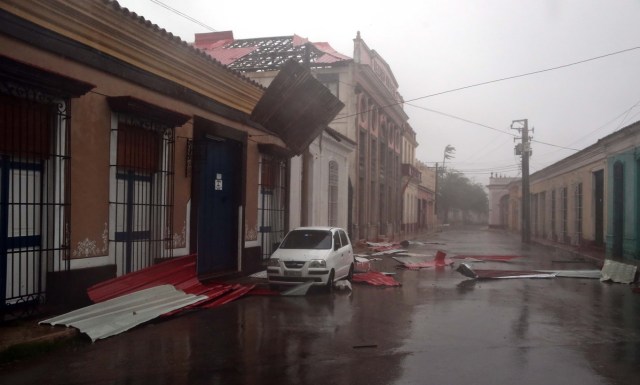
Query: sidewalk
[{"x": 22, "y": 339}]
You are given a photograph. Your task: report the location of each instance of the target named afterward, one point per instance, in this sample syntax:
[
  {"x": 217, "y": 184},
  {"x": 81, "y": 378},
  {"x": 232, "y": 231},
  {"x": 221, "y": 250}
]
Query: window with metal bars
[
  {"x": 564, "y": 215},
  {"x": 578, "y": 212},
  {"x": 333, "y": 193},
  {"x": 34, "y": 194},
  {"x": 272, "y": 201},
  {"x": 141, "y": 196},
  {"x": 554, "y": 235}
]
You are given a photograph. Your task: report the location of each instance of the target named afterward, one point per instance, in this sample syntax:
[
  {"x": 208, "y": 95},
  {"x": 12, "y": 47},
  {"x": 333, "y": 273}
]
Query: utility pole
[{"x": 524, "y": 150}]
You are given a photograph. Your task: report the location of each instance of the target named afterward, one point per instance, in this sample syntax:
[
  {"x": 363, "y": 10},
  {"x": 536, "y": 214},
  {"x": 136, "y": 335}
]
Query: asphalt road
[{"x": 439, "y": 327}]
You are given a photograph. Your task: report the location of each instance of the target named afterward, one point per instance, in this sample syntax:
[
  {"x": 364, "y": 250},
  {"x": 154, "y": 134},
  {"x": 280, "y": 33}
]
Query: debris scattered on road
[
  {"x": 343, "y": 285},
  {"x": 406, "y": 244},
  {"x": 417, "y": 261},
  {"x": 298, "y": 290},
  {"x": 389, "y": 251},
  {"x": 467, "y": 271},
  {"x": 590, "y": 274},
  {"x": 375, "y": 278},
  {"x": 362, "y": 265},
  {"x": 260, "y": 274},
  {"x": 117, "y": 315},
  {"x": 618, "y": 272},
  {"x": 483, "y": 258}
]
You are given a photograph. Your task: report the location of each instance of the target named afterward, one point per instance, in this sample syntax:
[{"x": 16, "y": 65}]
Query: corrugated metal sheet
[
  {"x": 467, "y": 271},
  {"x": 375, "y": 278},
  {"x": 618, "y": 272},
  {"x": 120, "y": 314},
  {"x": 296, "y": 106}
]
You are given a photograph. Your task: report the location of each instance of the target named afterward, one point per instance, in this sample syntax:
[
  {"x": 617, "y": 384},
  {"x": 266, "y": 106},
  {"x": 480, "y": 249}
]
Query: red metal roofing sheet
[
  {"x": 375, "y": 278},
  {"x": 179, "y": 272},
  {"x": 227, "y": 56}
]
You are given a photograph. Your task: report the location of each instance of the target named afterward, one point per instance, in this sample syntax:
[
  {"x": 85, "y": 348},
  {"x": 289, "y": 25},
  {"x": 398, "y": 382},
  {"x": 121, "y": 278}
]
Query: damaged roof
[{"x": 267, "y": 53}]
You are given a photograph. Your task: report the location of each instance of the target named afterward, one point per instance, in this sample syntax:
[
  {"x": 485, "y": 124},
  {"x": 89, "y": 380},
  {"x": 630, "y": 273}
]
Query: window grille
[
  {"x": 564, "y": 212},
  {"x": 333, "y": 193},
  {"x": 34, "y": 195},
  {"x": 554, "y": 235},
  {"x": 141, "y": 197},
  {"x": 578, "y": 212},
  {"x": 272, "y": 201}
]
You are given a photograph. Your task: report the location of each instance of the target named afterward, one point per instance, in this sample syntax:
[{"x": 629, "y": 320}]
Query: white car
[{"x": 321, "y": 255}]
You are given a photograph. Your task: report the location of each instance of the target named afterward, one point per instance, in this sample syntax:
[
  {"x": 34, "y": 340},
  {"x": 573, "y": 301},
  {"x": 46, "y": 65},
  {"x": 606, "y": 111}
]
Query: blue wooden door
[{"x": 219, "y": 202}]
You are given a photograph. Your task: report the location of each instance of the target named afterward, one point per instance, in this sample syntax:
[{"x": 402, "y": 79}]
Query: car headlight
[
  {"x": 273, "y": 262},
  {"x": 318, "y": 264}
]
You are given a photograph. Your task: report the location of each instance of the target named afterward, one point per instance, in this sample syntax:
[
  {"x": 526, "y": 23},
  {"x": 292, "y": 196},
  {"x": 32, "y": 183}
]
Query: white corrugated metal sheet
[{"x": 120, "y": 314}]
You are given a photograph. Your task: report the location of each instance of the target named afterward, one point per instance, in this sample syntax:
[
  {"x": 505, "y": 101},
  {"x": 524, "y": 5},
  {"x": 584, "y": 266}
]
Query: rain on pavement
[{"x": 439, "y": 327}]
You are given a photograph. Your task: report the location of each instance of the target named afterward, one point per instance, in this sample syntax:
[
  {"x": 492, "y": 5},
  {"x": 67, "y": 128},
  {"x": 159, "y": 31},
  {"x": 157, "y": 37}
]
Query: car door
[
  {"x": 336, "y": 255},
  {"x": 347, "y": 251}
]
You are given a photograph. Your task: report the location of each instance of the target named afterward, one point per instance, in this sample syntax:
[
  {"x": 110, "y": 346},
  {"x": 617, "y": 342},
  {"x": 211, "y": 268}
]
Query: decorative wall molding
[
  {"x": 89, "y": 248},
  {"x": 179, "y": 240},
  {"x": 251, "y": 234}
]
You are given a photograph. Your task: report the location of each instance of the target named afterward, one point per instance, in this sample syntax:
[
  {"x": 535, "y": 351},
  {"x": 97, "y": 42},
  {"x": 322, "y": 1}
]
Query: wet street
[{"x": 439, "y": 327}]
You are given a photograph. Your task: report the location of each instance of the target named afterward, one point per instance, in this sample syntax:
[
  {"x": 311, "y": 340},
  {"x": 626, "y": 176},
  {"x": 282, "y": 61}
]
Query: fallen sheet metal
[
  {"x": 418, "y": 261},
  {"x": 482, "y": 258},
  {"x": 122, "y": 313},
  {"x": 590, "y": 274},
  {"x": 389, "y": 251},
  {"x": 618, "y": 272},
  {"x": 362, "y": 265},
  {"x": 260, "y": 274},
  {"x": 406, "y": 244},
  {"x": 179, "y": 272},
  {"x": 298, "y": 290},
  {"x": 375, "y": 278},
  {"x": 343, "y": 285},
  {"x": 467, "y": 271}
]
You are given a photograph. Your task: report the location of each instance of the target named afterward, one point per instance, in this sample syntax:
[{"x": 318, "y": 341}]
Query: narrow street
[{"x": 439, "y": 327}]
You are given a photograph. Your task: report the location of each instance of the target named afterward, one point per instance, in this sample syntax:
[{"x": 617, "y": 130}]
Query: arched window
[{"x": 333, "y": 193}]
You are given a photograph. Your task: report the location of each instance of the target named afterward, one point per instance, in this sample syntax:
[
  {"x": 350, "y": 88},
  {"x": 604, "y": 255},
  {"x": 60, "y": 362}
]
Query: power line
[
  {"x": 489, "y": 127},
  {"x": 500, "y": 80},
  {"x": 184, "y": 15}
]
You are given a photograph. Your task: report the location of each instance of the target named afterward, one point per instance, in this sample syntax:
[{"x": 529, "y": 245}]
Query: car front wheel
[{"x": 329, "y": 286}]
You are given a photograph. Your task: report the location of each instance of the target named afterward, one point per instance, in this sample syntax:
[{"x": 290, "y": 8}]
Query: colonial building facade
[
  {"x": 120, "y": 146},
  {"x": 590, "y": 199}
]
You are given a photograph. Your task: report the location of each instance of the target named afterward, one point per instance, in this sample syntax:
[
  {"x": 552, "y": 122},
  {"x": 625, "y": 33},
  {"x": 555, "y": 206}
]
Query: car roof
[{"x": 321, "y": 228}]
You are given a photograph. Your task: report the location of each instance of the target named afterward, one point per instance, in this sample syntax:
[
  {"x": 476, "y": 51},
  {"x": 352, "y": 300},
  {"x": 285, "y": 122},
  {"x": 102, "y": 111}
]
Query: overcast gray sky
[{"x": 434, "y": 46}]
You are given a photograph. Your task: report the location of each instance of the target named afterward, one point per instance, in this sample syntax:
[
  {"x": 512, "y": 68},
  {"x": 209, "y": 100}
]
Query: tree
[{"x": 457, "y": 191}]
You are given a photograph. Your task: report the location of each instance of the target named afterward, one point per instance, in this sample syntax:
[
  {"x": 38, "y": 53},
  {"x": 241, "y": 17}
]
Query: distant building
[
  {"x": 427, "y": 220},
  {"x": 589, "y": 199},
  {"x": 499, "y": 200}
]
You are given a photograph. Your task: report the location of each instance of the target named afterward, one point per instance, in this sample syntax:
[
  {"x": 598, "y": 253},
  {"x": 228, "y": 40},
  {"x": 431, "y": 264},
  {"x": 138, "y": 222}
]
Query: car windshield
[{"x": 307, "y": 239}]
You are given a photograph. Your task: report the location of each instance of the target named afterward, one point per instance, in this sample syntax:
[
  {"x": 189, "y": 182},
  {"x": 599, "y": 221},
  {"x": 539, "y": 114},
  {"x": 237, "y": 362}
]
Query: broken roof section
[
  {"x": 267, "y": 53},
  {"x": 296, "y": 106}
]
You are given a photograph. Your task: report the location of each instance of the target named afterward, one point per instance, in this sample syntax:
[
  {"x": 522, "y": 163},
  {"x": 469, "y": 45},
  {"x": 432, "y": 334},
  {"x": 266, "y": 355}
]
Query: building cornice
[{"x": 106, "y": 27}]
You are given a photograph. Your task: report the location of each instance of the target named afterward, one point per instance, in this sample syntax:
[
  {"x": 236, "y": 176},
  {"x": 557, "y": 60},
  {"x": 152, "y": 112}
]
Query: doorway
[{"x": 217, "y": 180}]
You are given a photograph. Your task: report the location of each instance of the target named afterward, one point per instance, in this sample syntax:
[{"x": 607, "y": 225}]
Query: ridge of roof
[
  {"x": 176, "y": 39},
  {"x": 323, "y": 52}
]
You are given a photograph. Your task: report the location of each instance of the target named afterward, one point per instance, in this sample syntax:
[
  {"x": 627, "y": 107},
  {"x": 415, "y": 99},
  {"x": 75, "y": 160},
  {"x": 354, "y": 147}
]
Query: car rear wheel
[
  {"x": 350, "y": 276},
  {"x": 329, "y": 286}
]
